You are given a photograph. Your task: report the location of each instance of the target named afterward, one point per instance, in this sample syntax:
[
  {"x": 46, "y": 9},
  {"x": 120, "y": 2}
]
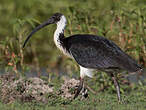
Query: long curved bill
[{"x": 49, "y": 21}]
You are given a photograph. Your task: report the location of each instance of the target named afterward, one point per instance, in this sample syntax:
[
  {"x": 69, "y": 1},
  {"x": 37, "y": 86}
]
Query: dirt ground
[{"x": 34, "y": 89}]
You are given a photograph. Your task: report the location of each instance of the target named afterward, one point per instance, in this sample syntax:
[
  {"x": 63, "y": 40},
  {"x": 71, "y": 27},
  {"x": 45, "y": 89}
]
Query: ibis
[{"x": 91, "y": 52}]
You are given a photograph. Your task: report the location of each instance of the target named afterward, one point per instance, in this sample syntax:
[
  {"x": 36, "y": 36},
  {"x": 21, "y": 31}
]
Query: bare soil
[{"x": 34, "y": 89}]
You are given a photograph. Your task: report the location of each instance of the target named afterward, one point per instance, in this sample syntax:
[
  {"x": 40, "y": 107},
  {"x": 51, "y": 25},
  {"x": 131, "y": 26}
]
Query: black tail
[{"x": 130, "y": 64}]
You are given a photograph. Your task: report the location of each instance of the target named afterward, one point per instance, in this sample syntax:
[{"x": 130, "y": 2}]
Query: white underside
[{"x": 86, "y": 72}]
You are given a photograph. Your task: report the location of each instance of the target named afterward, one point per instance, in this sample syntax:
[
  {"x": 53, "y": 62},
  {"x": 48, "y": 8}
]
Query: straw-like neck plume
[{"x": 59, "y": 33}]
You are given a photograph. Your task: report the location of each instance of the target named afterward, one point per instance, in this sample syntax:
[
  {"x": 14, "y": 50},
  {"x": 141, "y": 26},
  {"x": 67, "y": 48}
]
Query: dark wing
[{"x": 99, "y": 53}]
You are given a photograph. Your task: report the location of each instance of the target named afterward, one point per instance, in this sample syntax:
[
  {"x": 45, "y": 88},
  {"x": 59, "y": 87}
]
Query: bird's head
[{"x": 55, "y": 19}]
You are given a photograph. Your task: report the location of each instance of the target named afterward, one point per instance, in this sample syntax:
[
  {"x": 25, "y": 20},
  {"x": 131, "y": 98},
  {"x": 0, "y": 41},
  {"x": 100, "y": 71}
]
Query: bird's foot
[{"x": 80, "y": 87}]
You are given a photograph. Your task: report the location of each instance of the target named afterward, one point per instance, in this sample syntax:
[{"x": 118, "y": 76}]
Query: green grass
[{"x": 135, "y": 100}]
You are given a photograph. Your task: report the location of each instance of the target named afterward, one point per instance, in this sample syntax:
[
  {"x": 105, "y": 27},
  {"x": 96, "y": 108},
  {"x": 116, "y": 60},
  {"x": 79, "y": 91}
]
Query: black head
[
  {"x": 56, "y": 17},
  {"x": 53, "y": 19}
]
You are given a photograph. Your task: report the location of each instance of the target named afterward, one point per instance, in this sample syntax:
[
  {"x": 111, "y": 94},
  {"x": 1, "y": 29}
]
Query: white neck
[
  {"x": 60, "y": 29},
  {"x": 57, "y": 38}
]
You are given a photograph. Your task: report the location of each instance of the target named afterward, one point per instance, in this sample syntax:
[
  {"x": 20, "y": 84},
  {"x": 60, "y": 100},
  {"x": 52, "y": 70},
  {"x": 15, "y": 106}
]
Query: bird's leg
[
  {"x": 79, "y": 88},
  {"x": 116, "y": 86}
]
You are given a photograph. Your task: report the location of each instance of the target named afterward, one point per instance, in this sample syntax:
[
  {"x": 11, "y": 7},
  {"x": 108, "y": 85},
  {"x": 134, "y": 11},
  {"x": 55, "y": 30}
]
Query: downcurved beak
[{"x": 49, "y": 21}]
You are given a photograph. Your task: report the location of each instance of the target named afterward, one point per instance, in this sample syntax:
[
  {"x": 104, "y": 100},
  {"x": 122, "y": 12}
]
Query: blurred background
[{"x": 122, "y": 21}]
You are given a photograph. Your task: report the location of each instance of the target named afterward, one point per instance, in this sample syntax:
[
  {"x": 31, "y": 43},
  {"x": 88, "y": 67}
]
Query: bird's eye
[{"x": 57, "y": 18}]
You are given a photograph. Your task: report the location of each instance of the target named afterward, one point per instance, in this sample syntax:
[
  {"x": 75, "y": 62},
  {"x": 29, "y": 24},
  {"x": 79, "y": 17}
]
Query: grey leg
[{"x": 116, "y": 86}]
